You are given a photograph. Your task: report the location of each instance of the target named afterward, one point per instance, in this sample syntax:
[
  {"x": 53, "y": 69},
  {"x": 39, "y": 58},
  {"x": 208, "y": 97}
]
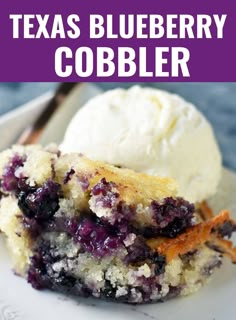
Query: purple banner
[{"x": 117, "y": 40}]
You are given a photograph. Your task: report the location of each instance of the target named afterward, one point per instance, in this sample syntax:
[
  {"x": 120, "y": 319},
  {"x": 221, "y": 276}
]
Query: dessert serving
[{"x": 87, "y": 228}]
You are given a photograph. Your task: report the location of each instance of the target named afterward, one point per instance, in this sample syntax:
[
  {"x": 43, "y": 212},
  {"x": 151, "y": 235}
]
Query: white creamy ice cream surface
[{"x": 152, "y": 131}]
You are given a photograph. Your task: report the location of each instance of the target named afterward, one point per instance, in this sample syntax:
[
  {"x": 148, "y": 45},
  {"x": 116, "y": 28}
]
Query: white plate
[
  {"x": 13, "y": 123},
  {"x": 216, "y": 301}
]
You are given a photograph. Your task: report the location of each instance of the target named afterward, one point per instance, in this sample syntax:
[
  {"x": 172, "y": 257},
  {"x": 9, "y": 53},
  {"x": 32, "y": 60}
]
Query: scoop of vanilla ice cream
[{"x": 152, "y": 131}]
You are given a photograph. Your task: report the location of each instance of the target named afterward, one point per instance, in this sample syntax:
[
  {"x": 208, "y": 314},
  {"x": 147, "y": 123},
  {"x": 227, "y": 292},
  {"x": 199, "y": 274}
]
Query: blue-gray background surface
[{"x": 216, "y": 100}]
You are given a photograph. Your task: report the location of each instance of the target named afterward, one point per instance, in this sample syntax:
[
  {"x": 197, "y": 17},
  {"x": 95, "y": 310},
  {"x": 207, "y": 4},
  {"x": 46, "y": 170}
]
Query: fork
[{"x": 32, "y": 133}]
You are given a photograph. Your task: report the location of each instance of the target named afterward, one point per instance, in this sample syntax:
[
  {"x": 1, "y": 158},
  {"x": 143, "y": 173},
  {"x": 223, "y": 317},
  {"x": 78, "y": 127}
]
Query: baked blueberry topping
[
  {"x": 109, "y": 292},
  {"x": 97, "y": 239},
  {"x": 227, "y": 229},
  {"x": 41, "y": 275},
  {"x": 160, "y": 263},
  {"x": 84, "y": 182},
  {"x": 41, "y": 203},
  {"x": 106, "y": 193},
  {"x": 172, "y": 216},
  {"x": 9, "y": 179},
  {"x": 138, "y": 251}
]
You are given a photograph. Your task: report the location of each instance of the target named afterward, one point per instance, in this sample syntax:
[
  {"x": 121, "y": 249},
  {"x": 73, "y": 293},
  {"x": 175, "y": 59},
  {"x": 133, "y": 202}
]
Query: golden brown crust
[
  {"x": 206, "y": 212},
  {"x": 133, "y": 187},
  {"x": 194, "y": 237}
]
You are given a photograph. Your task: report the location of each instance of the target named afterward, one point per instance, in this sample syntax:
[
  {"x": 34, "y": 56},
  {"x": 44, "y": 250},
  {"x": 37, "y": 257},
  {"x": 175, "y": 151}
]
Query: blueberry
[
  {"x": 138, "y": 251},
  {"x": 42, "y": 203},
  {"x": 226, "y": 229},
  {"x": 172, "y": 216},
  {"x": 64, "y": 280},
  {"x": 84, "y": 182},
  {"x": 109, "y": 292},
  {"x": 106, "y": 196},
  {"x": 9, "y": 179},
  {"x": 96, "y": 238},
  {"x": 160, "y": 263},
  {"x": 41, "y": 275},
  {"x": 174, "y": 228}
]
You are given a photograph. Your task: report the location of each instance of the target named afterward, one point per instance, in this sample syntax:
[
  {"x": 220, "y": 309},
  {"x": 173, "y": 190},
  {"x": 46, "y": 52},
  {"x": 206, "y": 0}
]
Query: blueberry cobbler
[{"x": 86, "y": 228}]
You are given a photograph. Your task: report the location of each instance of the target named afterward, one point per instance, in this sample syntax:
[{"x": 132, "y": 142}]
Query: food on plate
[
  {"x": 87, "y": 228},
  {"x": 151, "y": 131}
]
